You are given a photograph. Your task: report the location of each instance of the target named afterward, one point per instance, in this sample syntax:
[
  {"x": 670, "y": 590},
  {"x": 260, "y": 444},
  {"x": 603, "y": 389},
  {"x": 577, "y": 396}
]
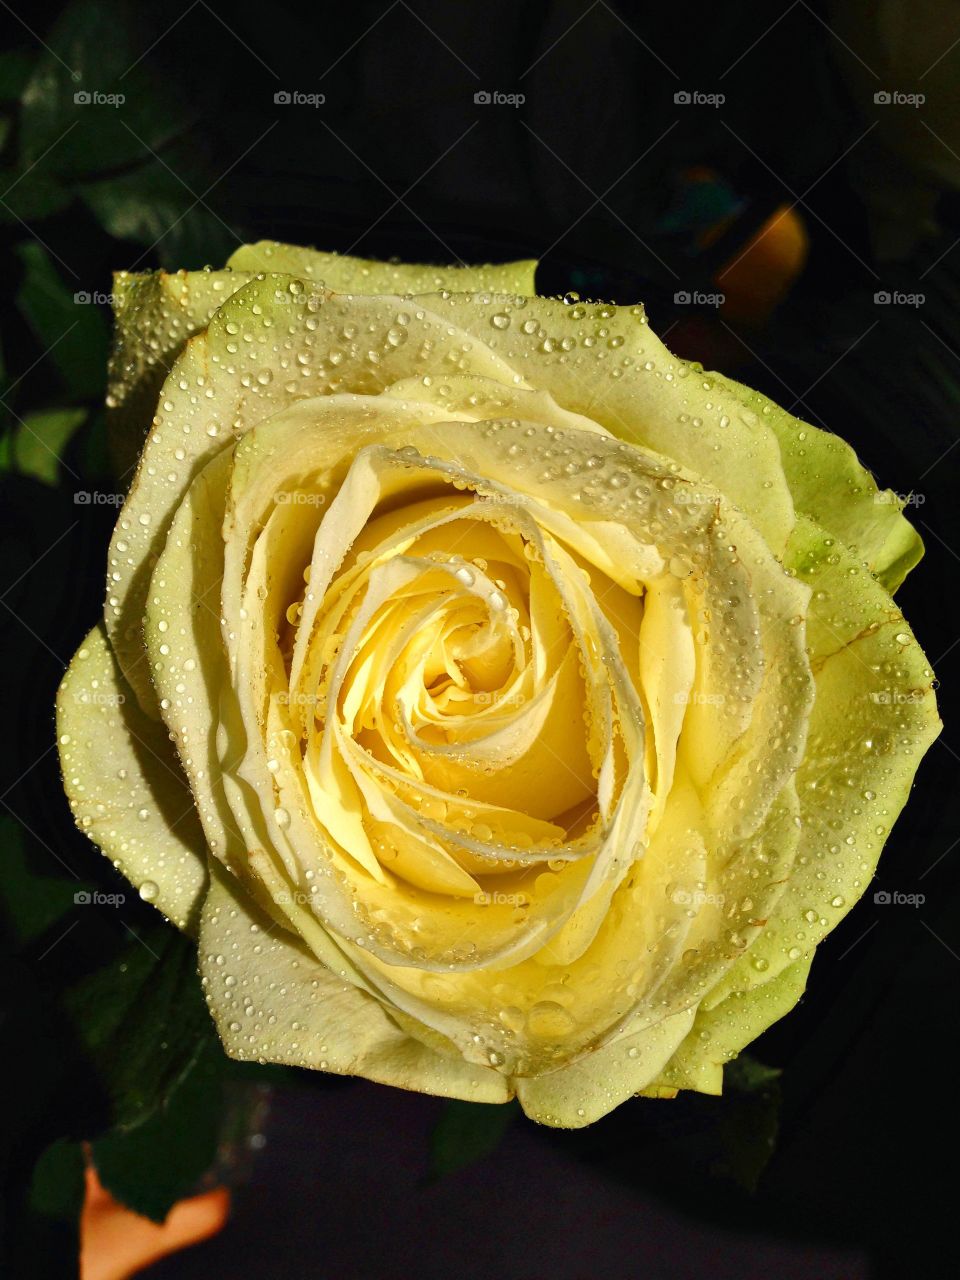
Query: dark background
[{"x": 626, "y": 194}]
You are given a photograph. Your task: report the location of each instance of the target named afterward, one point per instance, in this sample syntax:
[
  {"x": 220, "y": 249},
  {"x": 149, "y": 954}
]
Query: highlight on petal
[
  {"x": 155, "y": 314},
  {"x": 272, "y": 1001},
  {"x": 361, "y": 275},
  {"x": 125, "y": 787}
]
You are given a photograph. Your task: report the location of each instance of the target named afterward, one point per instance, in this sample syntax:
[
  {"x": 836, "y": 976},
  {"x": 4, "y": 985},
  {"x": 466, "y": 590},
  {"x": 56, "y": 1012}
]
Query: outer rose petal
[
  {"x": 124, "y": 784},
  {"x": 718, "y": 1034},
  {"x": 360, "y": 275},
  {"x": 154, "y": 316},
  {"x": 607, "y": 363},
  {"x": 283, "y": 1006},
  {"x": 831, "y": 486},
  {"x": 585, "y": 1090},
  {"x": 874, "y": 717}
]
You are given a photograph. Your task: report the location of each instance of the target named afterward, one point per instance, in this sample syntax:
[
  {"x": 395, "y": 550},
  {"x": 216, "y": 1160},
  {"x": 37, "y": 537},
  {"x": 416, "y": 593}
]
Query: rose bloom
[{"x": 507, "y": 706}]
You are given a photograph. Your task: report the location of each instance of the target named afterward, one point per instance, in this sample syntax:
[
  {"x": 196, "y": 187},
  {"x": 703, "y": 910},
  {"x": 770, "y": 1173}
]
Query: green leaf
[
  {"x": 69, "y": 327},
  {"x": 130, "y": 109},
  {"x": 466, "y": 1132},
  {"x": 141, "y": 1021},
  {"x": 30, "y": 196},
  {"x": 37, "y": 442},
  {"x": 151, "y": 206},
  {"x": 15, "y": 68},
  {"x": 749, "y": 1120},
  {"x": 31, "y": 903},
  {"x": 748, "y": 1075},
  {"x": 43, "y": 1233},
  {"x": 151, "y": 1167},
  {"x": 56, "y": 1190}
]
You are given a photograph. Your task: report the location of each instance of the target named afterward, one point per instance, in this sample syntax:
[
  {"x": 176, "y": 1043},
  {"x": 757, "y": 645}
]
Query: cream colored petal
[
  {"x": 273, "y": 1001},
  {"x": 667, "y": 669},
  {"x": 268, "y": 346},
  {"x": 605, "y": 362},
  {"x": 154, "y": 316},
  {"x": 125, "y": 787},
  {"x": 583, "y": 1091},
  {"x": 361, "y": 275}
]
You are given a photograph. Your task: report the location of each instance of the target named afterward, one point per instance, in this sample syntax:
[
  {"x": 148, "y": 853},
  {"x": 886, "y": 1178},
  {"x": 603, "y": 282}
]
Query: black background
[{"x": 589, "y": 174}]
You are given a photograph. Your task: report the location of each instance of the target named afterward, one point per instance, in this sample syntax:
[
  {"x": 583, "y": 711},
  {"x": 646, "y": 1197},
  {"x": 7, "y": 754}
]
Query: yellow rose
[{"x": 541, "y": 697}]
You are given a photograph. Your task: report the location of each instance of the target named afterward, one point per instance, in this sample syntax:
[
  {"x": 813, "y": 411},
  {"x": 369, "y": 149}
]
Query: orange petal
[{"x": 116, "y": 1243}]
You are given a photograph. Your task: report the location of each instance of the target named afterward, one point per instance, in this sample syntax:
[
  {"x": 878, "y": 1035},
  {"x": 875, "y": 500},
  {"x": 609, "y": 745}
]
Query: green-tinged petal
[
  {"x": 273, "y": 1001},
  {"x": 874, "y": 717},
  {"x": 154, "y": 315},
  {"x": 124, "y": 784},
  {"x": 718, "y": 1034},
  {"x": 361, "y": 275},
  {"x": 831, "y": 486},
  {"x": 606, "y": 362},
  {"x": 589, "y": 1088}
]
